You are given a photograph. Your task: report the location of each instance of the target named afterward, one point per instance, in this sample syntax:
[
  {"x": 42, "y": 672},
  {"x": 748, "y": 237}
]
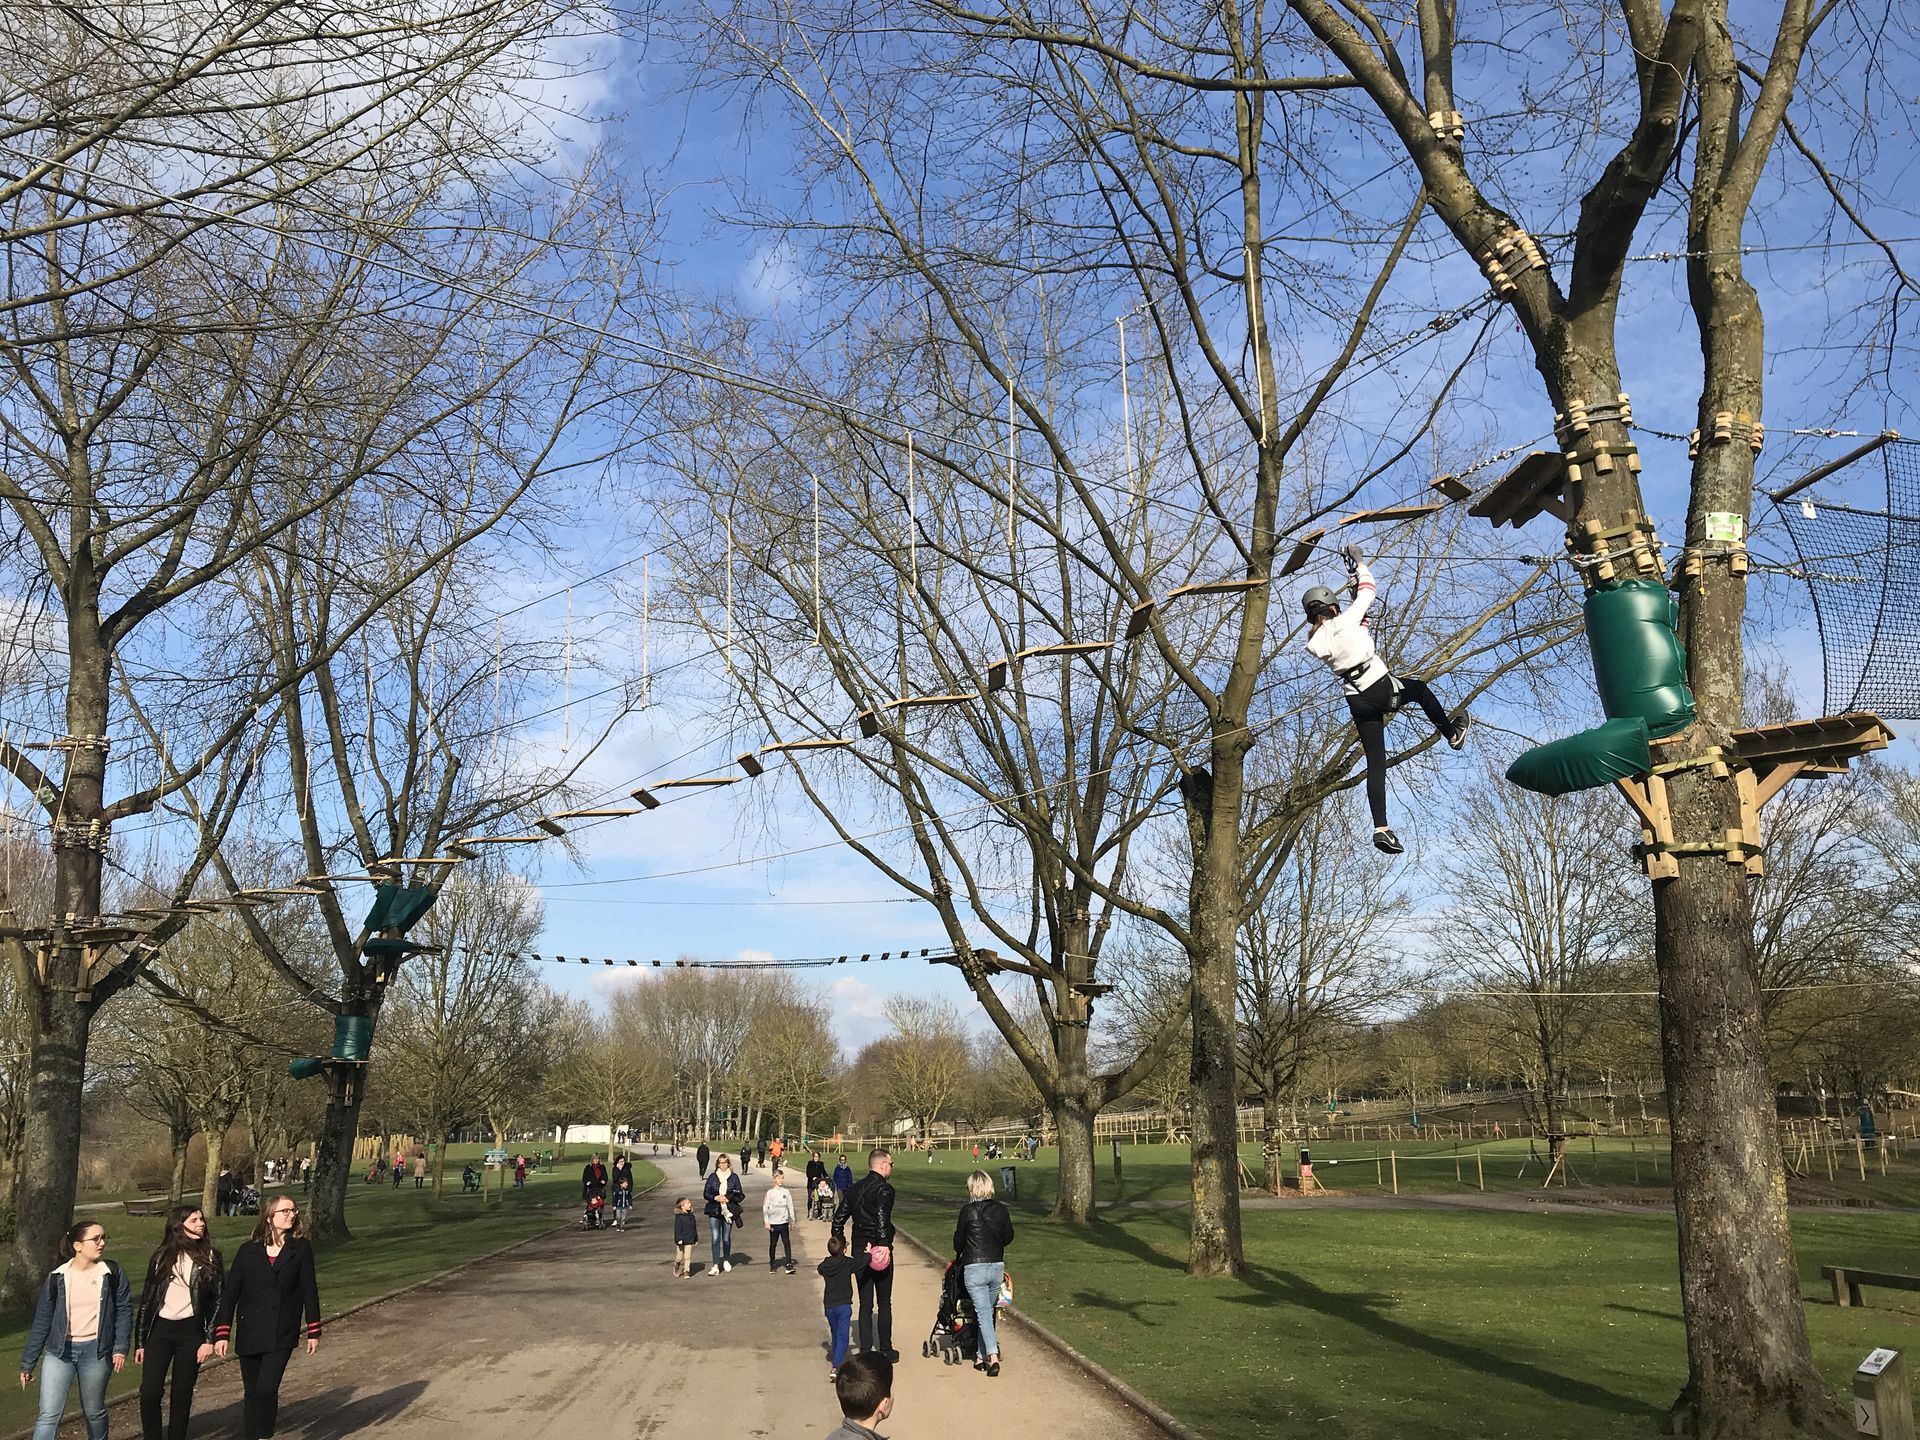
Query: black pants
[
  {"x": 260, "y": 1385},
  {"x": 876, "y": 1295},
  {"x": 1370, "y": 709},
  {"x": 170, "y": 1344},
  {"x": 779, "y": 1237}
]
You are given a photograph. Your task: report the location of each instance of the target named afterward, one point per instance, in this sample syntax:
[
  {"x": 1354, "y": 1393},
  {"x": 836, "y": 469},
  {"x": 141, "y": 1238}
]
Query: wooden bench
[
  {"x": 1847, "y": 1282},
  {"x": 154, "y": 1206}
]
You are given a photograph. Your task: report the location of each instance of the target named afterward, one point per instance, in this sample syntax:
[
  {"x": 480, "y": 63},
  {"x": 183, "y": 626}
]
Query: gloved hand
[{"x": 1351, "y": 553}]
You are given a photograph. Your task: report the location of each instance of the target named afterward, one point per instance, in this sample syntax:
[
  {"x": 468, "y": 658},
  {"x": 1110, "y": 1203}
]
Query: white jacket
[
  {"x": 777, "y": 1208},
  {"x": 1346, "y": 644}
]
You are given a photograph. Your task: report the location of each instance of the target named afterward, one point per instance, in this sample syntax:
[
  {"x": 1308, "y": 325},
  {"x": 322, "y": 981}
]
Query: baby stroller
[
  {"x": 591, "y": 1219},
  {"x": 820, "y": 1207},
  {"x": 955, "y": 1336}
]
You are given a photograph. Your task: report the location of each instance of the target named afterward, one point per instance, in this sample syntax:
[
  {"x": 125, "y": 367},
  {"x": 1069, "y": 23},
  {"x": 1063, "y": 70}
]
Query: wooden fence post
[
  {"x": 1480, "y": 1168},
  {"x": 1393, "y": 1159}
]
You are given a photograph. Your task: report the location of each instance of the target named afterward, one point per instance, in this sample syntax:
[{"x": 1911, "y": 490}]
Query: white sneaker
[
  {"x": 713, "y": 1270},
  {"x": 727, "y": 1265}
]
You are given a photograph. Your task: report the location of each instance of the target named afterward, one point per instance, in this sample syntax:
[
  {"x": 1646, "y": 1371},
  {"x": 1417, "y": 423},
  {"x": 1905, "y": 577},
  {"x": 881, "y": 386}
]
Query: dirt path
[{"x": 590, "y": 1334}]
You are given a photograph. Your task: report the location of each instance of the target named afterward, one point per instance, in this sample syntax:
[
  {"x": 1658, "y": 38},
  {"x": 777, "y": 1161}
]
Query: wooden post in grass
[
  {"x": 1860, "y": 1154},
  {"x": 1634, "y": 1151},
  {"x": 1828, "y": 1147},
  {"x": 1456, "y": 1169},
  {"x": 1882, "y": 1399},
  {"x": 1393, "y": 1159},
  {"x": 1378, "y": 1178},
  {"x": 1480, "y": 1168}
]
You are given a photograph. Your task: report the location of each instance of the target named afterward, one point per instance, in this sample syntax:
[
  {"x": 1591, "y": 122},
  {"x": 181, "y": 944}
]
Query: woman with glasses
[
  {"x": 271, "y": 1283},
  {"x": 173, "y": 1323},
  {"x": 80, "y": 1331}
]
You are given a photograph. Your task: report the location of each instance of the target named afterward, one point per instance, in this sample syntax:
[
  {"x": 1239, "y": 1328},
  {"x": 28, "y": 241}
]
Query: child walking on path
[
  {"x": 686, "y": 1235},
  {"x": 776, "y": 1210},
  {"x": 838, "y": 1270}
]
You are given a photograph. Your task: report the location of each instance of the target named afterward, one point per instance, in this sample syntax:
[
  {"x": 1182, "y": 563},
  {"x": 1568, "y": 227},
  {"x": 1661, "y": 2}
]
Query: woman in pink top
[{"x": 80, "y": 1332}]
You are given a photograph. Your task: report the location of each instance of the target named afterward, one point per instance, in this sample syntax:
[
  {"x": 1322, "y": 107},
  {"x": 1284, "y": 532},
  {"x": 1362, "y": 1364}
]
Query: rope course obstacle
[
  {"x": 1639, "y": 665},
  {"x": 1860, "y": 566}
]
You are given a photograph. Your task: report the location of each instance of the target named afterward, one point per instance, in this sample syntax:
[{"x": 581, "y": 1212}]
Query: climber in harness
[{"x": 1341, "y": 638}]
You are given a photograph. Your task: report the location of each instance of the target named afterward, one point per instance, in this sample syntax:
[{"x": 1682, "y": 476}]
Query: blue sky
[{"x": 690, "y": 880}]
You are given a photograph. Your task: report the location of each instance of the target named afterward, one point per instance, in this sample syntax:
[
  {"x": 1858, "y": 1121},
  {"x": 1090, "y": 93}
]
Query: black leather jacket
[
  {"x": 983, "y": 1232},
  {"x": 204, "y": 1281},
  {"x": 868, "y": 1204}
]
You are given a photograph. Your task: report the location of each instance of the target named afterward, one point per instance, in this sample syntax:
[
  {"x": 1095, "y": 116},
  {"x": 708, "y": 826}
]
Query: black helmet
[{"x": 1317, "y": 599}]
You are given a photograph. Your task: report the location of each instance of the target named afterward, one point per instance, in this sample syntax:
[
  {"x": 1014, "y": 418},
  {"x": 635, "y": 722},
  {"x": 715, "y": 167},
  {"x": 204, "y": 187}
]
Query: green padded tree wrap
[
  {"x": 1639, "y": 665},
  {"x": 352, "y": 1037},
  {"x": 1586, "y": 761}
]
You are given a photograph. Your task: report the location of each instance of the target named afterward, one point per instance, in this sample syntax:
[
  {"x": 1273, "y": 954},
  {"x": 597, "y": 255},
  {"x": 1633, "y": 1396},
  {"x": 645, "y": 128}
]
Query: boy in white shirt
[
  {"x": 1343, "y": 641},
  {"x": 776, "y": 1210}
]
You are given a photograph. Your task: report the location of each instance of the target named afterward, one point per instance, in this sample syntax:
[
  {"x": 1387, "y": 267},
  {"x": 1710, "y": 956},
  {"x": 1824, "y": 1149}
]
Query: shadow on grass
[
  {"x": 1364, "y": 1312},
  {"x": 1089, "y": 1300}
]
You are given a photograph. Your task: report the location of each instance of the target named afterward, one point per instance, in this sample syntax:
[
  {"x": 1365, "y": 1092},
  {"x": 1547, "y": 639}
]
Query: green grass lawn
[
  {"x": 400, "y": 1237},
  {"x": 1407, "y": 1324},
  {"x": 1157, "y": 1173}
]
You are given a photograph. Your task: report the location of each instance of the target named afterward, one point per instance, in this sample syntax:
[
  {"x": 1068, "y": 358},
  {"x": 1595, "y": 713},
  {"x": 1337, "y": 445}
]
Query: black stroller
[{"x": 955, "y": 1336}]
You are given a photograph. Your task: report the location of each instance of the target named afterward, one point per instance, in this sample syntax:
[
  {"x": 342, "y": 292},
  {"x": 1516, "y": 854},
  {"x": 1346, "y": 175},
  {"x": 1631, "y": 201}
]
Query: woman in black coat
[
  {"x": 272, "y": 1281},
  {"x": 173, "y": 1323}
]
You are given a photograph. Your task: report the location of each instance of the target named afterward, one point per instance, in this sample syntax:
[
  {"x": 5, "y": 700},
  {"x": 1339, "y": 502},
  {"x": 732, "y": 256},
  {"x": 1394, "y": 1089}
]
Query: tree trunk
[
  {"x": 50, "y": 1148},
  {"x": 440, "y": 1165},
  {"x": 1273, "y": 1145},
  {"x": 1213, "y": 802},
  {"x": 1552, "y": 1117},
  {"x": 210, "y": 1179},
  {"x": 1073, "y": 1115},
  {"x": 1747, "y": 1348},
  {"x": 177, "y": 1180},
  {"x": 333, "y": 1162}
]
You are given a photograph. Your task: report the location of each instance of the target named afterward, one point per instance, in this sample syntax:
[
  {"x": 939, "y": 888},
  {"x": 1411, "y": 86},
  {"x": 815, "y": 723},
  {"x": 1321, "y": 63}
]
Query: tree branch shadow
[{"x": 1365, "y": 1313}]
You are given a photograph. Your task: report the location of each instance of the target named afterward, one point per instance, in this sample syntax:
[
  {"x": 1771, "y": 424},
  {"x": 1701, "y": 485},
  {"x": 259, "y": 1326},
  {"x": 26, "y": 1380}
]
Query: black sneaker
[
  {"x": 1387, "y": 842},
  {"x": 1457, "y": 732},
  {"x": 893, "y": 1357}
]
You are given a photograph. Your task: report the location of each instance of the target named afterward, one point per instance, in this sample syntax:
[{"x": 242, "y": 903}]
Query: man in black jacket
[
  {"x": 701, "y": 1157},
  {"x": 868, "y": 1205}
]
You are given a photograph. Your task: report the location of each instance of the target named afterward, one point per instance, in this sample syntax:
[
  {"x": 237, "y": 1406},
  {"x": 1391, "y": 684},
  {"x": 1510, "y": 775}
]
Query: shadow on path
[{"x": 330, "y": 1415}]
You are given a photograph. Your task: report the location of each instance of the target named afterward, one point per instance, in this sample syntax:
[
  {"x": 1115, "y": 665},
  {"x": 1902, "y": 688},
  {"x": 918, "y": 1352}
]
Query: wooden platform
[
  {"x": 1538, "y": 483},
  {"x": 1760, "y": 761}
]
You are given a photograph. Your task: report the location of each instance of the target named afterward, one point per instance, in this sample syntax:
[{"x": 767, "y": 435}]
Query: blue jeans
[
  {"x": 57, "y": 1377},
  {"x": 722, "y": 1235},
  {"x": 840, "y": 1331},
  {"x": 983, "y": 1288}
]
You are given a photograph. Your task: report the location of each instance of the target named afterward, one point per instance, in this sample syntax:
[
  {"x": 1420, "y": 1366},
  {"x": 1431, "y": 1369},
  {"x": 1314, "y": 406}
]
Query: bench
[
  {"x": 154, "y": 1206},
  {"x": 1847, "y": 1282}
]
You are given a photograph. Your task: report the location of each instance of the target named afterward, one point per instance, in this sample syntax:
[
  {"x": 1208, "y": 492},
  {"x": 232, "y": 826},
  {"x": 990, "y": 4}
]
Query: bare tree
[
  {"x": 1156, "y": 197},
  {"x": 188, "y": 407},
  {"x": 927, "y": 1059},
  {"x": 1538, "y": 916},
  {"x": 468, "y": 1018},
  {"x": 1318, "y": 958}
]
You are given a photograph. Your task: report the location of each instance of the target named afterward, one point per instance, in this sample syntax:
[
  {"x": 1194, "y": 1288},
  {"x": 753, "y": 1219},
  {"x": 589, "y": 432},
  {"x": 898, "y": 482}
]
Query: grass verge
[{"x": 1417, "y": 1325}]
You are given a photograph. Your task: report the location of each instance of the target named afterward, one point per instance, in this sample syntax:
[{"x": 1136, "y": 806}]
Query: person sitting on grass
[
  {"x": 864, "y": 1388},
  {"x": 1343, "y": 641}
]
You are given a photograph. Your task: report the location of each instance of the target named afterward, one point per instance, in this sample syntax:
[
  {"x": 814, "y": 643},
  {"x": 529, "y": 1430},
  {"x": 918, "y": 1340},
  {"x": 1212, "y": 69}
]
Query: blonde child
[{"x": 686, "y": 1234}]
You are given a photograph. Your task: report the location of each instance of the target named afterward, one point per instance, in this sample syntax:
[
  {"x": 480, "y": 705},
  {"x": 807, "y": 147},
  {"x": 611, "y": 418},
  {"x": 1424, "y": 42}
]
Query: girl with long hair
[
  {"x": 271, "y": 1283},
  {"x": 173, "y": 1323}
]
